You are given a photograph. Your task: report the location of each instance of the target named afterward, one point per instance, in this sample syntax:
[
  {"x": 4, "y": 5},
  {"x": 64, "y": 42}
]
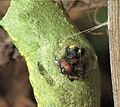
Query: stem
[{"x": 41, "y": 31}]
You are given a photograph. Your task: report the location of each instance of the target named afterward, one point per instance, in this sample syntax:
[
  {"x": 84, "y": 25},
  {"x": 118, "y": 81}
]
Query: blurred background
[{"x": 15, "y": 88}]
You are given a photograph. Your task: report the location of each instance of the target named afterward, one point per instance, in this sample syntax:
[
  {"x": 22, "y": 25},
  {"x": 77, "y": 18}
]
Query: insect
[{"x": 73, "y": 63}]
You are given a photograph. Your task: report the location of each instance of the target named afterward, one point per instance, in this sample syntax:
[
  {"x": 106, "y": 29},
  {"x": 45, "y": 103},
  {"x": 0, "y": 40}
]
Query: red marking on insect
[{"x": 64, "y": 65}]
